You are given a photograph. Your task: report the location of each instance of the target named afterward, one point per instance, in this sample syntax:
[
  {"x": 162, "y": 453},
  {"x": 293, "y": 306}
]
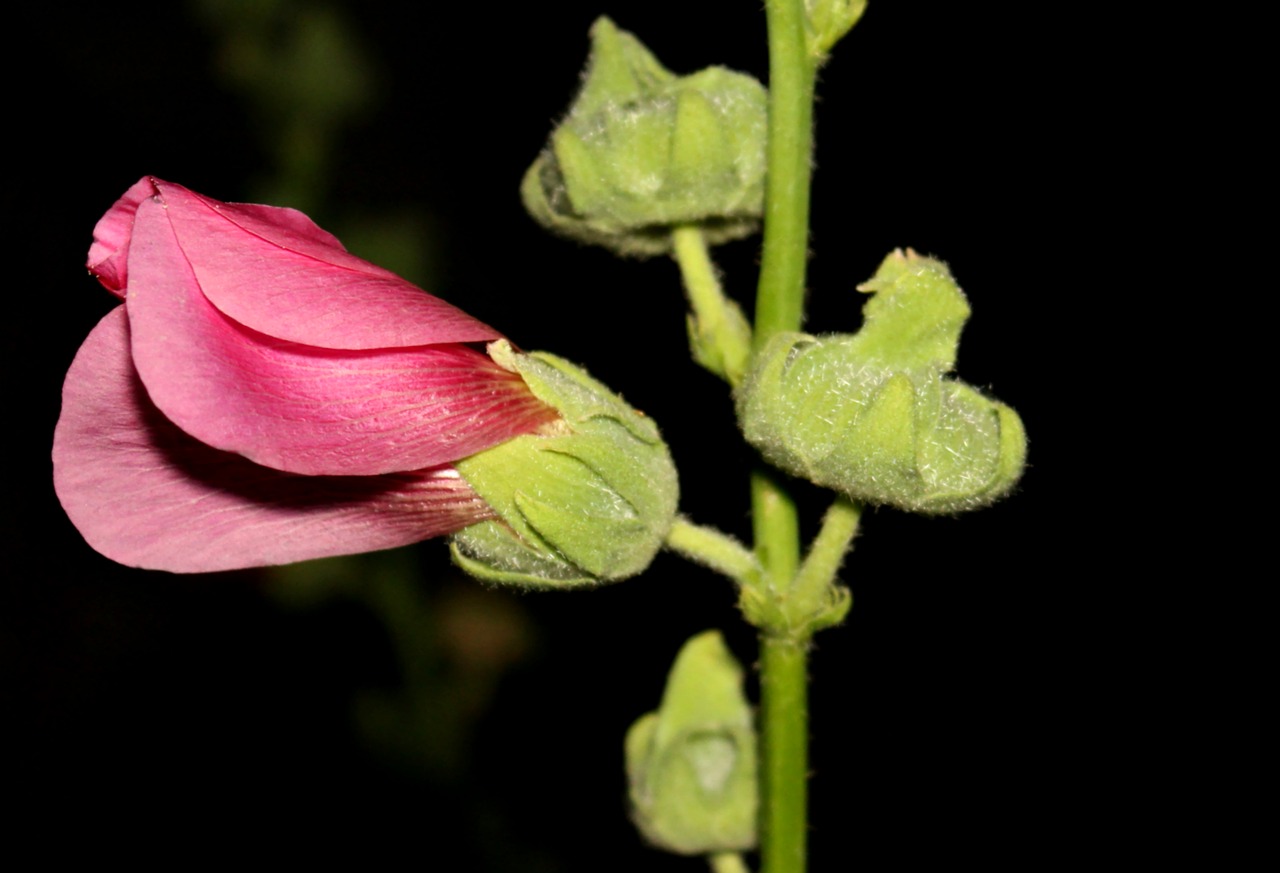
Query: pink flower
[{"x": 263, "y": 397}]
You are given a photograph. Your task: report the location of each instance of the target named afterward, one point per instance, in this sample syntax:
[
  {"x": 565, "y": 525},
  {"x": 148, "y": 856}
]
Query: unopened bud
[
  {"x": 692, "y": 764},
  {"x": 643, "y": 150},
  {"x": 829, "y": 20},
  {"x": 873, "y": 414},
  {"x": 589, "y": 501}
]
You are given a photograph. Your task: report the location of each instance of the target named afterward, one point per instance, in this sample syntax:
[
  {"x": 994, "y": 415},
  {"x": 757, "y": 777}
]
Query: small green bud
[
  {"x": 872, "y": 414},
  {"x": 692, "y": 764},
  {"x": 643, "y": 150},
  {"x": 587, "y": 503},
  {"x": 829, "y": 20}
]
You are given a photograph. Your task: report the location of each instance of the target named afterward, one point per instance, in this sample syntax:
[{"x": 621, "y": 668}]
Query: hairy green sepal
[
  {"x": 643, "y": 150},
  {"x": 692, "y": 764},
  {"x": 591, "y": 501},
  {"x": 873, "y": 414}
]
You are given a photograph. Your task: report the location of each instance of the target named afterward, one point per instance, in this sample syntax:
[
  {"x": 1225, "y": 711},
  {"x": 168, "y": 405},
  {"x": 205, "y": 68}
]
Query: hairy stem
[
  {"x": 780, "y": 301},
  {"x": 780, "y": 307},
  {"x": 714, "y": 549},
  {"x": 718, "y": 332},
  {"x": 826, "y": 553},
  {"x": 784, "y": 726}
]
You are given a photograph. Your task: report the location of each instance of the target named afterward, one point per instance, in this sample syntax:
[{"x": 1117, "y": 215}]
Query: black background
[{"x": 150, "y": 713}]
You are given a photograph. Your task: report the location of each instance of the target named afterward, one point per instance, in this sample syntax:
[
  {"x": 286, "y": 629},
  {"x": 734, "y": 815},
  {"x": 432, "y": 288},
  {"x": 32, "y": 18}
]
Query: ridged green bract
[
  {"x": 873, "y": 414},
  {"x": 590, "y": 502},
  {"x": 692, "y": 764},
  {"x": 643, "y": 150}
]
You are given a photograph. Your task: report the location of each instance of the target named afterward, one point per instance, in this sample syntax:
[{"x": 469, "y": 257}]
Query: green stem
[
  {"x": 792, "y": 71},
  {"x": 727, "y": 862},
  {"x": 776, "y": 526},
  {"x": 714, "y": 549},
  {"x": 719, "y": 334},
  {"x": 780, "y": 307},
  {"x": 699, "y": 273},
  {"x": 812, "y": 589},
  {"x": 784, "y": 725}
]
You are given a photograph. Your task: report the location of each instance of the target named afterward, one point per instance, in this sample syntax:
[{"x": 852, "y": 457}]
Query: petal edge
[{"x": 145, "y": 494}]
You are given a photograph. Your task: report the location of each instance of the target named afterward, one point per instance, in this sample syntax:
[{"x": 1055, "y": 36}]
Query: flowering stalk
[{"x": 779, "y": 307}]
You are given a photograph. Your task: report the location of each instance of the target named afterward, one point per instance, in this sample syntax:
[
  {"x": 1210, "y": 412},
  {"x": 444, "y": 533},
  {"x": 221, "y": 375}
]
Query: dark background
[{"x": 151, "y": 713}]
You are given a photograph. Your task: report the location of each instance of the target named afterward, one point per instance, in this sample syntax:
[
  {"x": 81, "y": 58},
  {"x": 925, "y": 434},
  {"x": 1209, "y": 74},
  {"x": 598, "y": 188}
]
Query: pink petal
[
  {"x": 273, "y": 270},
  {"x": 302, "y": 409},
  {"x": 109, "y": 254},
  {"x": 145, "y": 494}
]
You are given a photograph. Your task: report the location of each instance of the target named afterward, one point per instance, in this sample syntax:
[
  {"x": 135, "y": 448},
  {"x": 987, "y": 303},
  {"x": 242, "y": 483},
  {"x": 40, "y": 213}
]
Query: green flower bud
[
  {"x": 590, "y": 502},
  {"x": 829, "y": 20},
  {"x": 872, "y": 414},
  {"x": 643, "y": 150},
  {"x": 692, "y": 764}
]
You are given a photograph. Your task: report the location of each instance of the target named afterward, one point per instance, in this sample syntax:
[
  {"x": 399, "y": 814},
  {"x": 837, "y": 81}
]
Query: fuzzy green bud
[
  {"x": 692, "y": 764},
  {"x": 643, "y": 150},
  {"x": 589, "y": 501},
  {"x": 829, "y": 20},
  {"x": 873, "y": 414}
]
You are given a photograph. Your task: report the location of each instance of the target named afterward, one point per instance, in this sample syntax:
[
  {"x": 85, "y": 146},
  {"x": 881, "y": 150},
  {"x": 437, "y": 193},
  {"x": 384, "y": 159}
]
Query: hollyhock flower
[{"x": 262, "y": 396}]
